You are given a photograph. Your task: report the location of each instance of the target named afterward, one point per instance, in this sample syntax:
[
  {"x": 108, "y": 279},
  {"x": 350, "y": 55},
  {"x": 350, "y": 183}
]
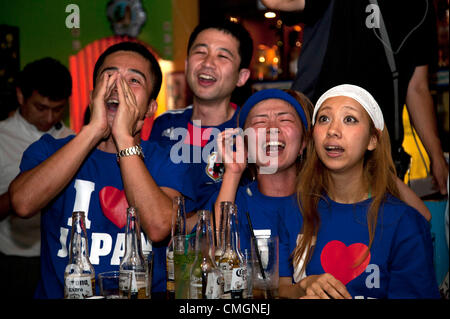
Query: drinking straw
[
  {"x": 255, "y": 242},
  {"x": 186, "y": 243},
  {"x": 214, "y": 225}
]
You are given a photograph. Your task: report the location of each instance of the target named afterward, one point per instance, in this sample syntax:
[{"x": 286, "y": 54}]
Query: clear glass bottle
[
  {"x": 231, "y": 262},
  {"x": 79, "y": 275},
  {"x": 178, "y": 229},
  {"x": 220, "y": 233},
  {"x": 248, "y": 293},
  {"x": 206, "y": 280},
  {"x": 134, "y": 261}
]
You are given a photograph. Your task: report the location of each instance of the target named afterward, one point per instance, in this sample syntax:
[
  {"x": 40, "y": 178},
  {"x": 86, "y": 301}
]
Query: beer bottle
[
  {"x": 133, "y": 260},
  {"x": 220, "y": 233},
  {"x": 206, "y": 280},
  {"x": 79, "y": 275},
  {"x": 231, "y": 262},
  {"x": 178, "y": 228}
]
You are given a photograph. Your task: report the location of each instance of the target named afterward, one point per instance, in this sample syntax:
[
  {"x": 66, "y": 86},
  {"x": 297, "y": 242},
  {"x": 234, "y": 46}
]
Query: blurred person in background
[
  {"x": 343, "y": 42},
  {"x": 43, "y": 90}
]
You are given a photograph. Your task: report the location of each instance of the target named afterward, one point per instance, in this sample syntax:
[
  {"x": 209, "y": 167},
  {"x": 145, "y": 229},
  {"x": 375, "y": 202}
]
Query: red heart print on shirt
[
  {"x": 114, "y": 205},
  {"x": 339, "y": 260}
]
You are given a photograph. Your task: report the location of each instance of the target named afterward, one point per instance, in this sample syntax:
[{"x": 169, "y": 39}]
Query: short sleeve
[
  {"x": 424, "y": 39},
  {"x": 166, "y": 173},
  {"x": 40, "y": 150},
  {"x": 411, "y": 259}
]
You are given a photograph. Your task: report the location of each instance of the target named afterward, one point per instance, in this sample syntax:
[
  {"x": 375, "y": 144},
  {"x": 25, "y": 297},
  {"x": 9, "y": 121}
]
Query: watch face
[{"x": 126, "y": 17}]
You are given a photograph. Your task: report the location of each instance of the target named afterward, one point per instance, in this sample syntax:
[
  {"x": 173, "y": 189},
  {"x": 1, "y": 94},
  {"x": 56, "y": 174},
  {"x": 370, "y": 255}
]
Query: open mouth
[
  {"x": 206, "y": 79},
  {"x": 273, "y": 148},
  {"x": 334, "y": 150},
  {"x": 112, "y": 104}
]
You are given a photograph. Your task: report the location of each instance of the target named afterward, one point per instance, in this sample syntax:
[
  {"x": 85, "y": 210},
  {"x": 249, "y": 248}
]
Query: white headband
[{"x": 358, "y": 94}]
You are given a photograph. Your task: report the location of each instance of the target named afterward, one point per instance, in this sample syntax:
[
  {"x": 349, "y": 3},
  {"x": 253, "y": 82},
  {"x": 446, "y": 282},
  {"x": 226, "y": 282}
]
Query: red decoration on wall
[{"x": 81, "y": 68}]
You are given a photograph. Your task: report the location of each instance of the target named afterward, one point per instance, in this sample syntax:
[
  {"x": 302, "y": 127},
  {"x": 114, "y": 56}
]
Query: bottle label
[
  {"x": 78, "y": 286},
  {"x": 239, "y": 283},
  {"x": 195, "y": 291},
  {"x": 124, "y": 280},
  {"x": 227, "y": 272},
  {"x": 238, "y": 278},
  {"x": 213, "y": 286},
  {"x": 170, "y": 266}
]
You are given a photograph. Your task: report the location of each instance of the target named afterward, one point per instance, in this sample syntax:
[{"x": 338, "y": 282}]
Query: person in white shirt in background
[{"x": 43, "y": 90}]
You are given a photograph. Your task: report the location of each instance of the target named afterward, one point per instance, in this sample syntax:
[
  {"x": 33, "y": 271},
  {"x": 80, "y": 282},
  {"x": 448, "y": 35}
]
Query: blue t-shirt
[
  {"x": 400, "y": 264},
  {"x": 194, "y": 144},
  {"x": 97, "y": 189},
  {"x": 280, "y": 215}
]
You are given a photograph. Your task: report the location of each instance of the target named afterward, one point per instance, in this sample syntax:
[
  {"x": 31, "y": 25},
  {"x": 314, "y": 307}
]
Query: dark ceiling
[{"x": 214, "y": 9}]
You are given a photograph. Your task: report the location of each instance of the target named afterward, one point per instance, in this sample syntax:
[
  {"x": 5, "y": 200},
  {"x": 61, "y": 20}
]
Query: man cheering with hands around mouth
[{"x": 102, "y": 170}]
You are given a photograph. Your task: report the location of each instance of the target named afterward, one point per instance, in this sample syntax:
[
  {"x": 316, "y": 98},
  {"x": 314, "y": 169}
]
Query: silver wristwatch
[{"x": 133, "y": 150}]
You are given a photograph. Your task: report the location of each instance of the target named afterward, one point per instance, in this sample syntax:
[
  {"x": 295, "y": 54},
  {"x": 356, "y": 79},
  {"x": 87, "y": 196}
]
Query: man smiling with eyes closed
[{"x": 218, "y": 57}]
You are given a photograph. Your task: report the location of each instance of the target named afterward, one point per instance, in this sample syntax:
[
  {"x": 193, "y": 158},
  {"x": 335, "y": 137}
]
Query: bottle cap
[{"x": 262, "y": 233}]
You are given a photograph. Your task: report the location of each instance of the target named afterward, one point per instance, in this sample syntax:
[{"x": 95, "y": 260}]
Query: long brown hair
[{"x": 314, "y": 180}]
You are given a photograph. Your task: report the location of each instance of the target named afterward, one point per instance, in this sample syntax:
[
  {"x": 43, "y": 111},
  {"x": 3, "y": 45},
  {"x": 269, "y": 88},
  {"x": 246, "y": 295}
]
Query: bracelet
[{"x": 133, "y": 150}]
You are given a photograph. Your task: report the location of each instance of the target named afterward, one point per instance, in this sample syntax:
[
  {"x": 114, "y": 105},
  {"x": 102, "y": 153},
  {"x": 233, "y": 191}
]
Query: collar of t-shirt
[
  {"x": 201, "y": 135},
  {"x": 252, "y": 191}
]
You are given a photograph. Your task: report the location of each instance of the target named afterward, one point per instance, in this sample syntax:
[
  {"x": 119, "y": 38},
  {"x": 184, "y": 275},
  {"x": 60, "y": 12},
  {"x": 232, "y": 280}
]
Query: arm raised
[
  {"x": 285, "y": 5},
  {"x": 32, "y": 190}
]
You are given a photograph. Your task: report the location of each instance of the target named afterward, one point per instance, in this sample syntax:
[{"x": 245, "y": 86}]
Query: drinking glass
[
  {"x": 264, "y": 259},
  {"x": 109, "y": 284},
  {"x": 183, "y": 257}
]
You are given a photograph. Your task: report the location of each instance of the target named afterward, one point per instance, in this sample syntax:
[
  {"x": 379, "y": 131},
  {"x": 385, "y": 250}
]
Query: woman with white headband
[{"x": 358, "y": 240}]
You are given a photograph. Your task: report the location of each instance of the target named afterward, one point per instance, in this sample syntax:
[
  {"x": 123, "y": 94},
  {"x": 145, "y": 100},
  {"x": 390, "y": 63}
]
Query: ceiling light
[{"x": 270, "y": 15}]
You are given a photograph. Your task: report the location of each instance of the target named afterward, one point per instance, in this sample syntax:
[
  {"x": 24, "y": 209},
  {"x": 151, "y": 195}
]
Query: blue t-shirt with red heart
[
  {"x": 97, "y": 189},
  {"x": 400, "y": 261}
]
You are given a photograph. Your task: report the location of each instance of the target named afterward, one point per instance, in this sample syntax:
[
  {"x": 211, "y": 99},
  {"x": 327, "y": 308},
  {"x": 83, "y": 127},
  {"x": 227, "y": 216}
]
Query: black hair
[
  {"x": 155, "y": 69},
  {"x": 48, "y": 77},
  {"x": 233, "y": 28}
]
